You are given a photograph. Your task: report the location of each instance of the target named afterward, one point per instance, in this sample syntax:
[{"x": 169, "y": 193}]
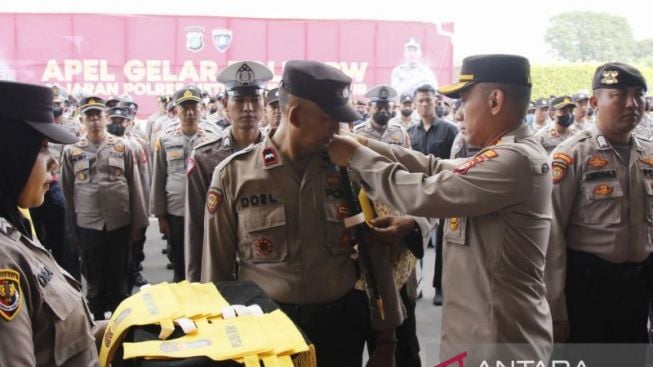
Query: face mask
[
  {"x": 213, "y": 110},
  {"x": 439, "y": 111},
  {"x": 406, "y": 112},
  {"x": 364, "y": 115},
  {"x": 565, "y": 120},
  {"x": 530, "y": 119},
  {"x": 115, "y": 129},
  {"x": 381, "y": 118},
  {"x": 57, "y": 111}
]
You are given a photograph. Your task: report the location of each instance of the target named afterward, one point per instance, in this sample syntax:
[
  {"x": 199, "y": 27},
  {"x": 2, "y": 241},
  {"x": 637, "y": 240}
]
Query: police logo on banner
[
  {"x": 194, "y": 38},
  {"x": 221, "y": 39}
]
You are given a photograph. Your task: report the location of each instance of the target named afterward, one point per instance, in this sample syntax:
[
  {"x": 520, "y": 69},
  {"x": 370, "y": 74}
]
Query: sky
[{"x": 498, "y": 26}]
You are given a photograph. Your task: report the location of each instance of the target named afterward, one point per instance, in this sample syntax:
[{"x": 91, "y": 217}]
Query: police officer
[
  {"x": 258, "y": 197},
  {"x": 600, "y": 247},
  {"x": 120, "y": 117},
  {"x": 104, "y": 196},
  {"x": 542, "y": 121},
  {"x": 561, "y": 129},
  {"x": 378, "y": 126},
  {"x": 582, "y": 120},
  {"x": 404, "y": 257},
  {"x": 171, "y": 153},
  {"x": 272, "y": 111},
  {"x": 497, "y": 204},
  {"x": 244, "y": 82},
  {"x": 43, "y": 319},
  {"x": 162, "y": 102},
  {"x": 405, "y": 117}
]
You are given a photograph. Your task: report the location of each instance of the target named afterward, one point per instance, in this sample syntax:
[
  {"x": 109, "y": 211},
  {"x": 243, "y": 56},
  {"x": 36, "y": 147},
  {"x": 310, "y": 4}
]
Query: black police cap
[
  {"x": 503, "y": 69},
  {"x": 542, "y": 103},
  {"x": 273, "y": 95},
  {"x": 322, "y": 84},
  {"x": 32, "y": 104},
  {"x": 119, "y": 111},
  {"x": 580, "y": 97},
  {"x": 405, "y": 98},
  {"x": 617, "y": 75}
]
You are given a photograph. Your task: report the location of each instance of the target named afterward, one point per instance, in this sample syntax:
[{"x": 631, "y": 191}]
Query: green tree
[
  {"x": 643, "y": 52},
  {"x": 582, "y": 36}
]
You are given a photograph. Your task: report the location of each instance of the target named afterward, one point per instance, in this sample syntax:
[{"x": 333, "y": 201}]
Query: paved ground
[{"x": 428, "y": 316}]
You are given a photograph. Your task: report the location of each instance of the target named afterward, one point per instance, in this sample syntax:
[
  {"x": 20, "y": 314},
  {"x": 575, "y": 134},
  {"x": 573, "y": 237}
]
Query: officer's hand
[
  {"x": 560, "y": 331},
  {"x": 163, "y": 226},
  {"x": 341, "y": 149},
  {"x": 392, "y": 230}
]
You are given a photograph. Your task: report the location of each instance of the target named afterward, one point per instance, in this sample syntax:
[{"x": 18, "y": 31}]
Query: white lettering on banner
[{"x": 156, "y": 77}]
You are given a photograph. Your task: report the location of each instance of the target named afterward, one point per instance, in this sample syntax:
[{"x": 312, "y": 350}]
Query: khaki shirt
[
  {"x": 171, "y": 153},
  {"x": 204, "y": 158},
  {"x": 102, "y": 185},
  {"x": 550, "y": 138},
  {"x": 499, "y": 210},
  {"x": 51, "y": 326},
  {"x": 601, "y": 205},
  {"x": 390, "y": 134},
  {"x": 285, "y": 232},
  {"x": 139, "y": 148}
]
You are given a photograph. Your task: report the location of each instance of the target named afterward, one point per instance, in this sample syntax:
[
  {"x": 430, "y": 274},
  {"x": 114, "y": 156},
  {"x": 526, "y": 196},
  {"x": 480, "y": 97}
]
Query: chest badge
[
  {"x": 597, "y": 162},
  {"x": 603, "y": 190}
]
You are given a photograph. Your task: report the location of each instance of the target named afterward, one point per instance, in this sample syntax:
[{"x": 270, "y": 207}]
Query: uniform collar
[
  {"x": 603, "y": 144},
  {"x": 521, "y": 132}
]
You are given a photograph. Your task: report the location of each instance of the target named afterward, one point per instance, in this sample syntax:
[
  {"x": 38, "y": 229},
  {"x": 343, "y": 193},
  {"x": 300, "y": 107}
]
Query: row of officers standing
[{"x": 531, "y": 241}]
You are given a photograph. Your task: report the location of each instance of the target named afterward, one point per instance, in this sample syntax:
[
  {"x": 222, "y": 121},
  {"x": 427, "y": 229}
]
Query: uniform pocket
[
  {"x": 338, "y": 240},
  {"x": 455, "y": 230},
  {"x": 601, "y": 203},
  {"x": 82, "y": 171},
  {"x": 70, "y": 318},
  {"x": 264, "y": 234},
  {"x": 116, "y": 168}
]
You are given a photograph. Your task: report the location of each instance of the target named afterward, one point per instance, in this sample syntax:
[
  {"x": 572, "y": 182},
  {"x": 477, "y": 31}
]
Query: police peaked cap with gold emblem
[
  {"x": 322, "y": 84},
  {"x": 617, "y": 75},
  {"x": 381, "y": 93},
  {"x": 273, "y": 95},
  {"x": 245, "y": 78},
  {"x": 559, "y": 103},
  {"x": 190, "y": 93},
  {"x": 91, "y": 103},
  {"x": 502, "y": 69}
]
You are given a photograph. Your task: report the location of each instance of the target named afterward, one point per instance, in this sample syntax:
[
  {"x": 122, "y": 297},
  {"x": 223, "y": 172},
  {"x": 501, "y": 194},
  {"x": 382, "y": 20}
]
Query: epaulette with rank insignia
[{"x": 235, "y": 155}]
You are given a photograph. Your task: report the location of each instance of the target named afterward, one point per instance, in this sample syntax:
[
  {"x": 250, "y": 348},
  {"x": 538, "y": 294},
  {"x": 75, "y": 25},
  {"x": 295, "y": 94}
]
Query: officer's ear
[
  {"x": 594, "y": 101},
  {"x": 496, "y": 100},
  {"x": 294, "y": 112},
  {"x": 224, "y": 102}
]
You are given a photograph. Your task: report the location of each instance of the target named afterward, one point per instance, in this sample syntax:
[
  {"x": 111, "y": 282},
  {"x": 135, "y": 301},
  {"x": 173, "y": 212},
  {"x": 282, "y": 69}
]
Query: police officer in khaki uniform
[
  {"x": 43, "y": 319},
  {"x": 561, "y": 129},
  {"x": 276, "y": 209},
  {"x": 498, "y": 209},
  {"x": 582, "y": 118},
  {"x": 272, "y": 111},
  {"x": 104, "y": 196},
  {"x": 541, "y": 121},
  {"x": 171, "y": 153},
  {"x": 378, "y": 126},
  {"x": 162, "y": 102},
  {"x": 244, "y": 82},
  {"x": 600, "y": 245}
]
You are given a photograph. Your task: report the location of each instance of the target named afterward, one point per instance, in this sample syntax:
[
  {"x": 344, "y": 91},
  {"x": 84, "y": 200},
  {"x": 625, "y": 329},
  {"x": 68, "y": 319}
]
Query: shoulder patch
[
  {"x": 558, "y": 171},
  {"x": 564, "y": 157},
  {"x": 11, "y": 297},
  {"x": 214, "y": 199},
  {"x": 647, "y": 160},
  {"x": 482, "y": 157},
  {"x": 157, "y": 145},
  {"x": 270, "y": 157}
]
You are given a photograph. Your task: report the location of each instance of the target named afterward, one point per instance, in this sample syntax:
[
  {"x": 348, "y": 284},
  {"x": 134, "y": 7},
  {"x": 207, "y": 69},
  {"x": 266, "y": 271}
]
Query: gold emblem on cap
[
  {"x": 609, "y": 77},
  {"x": 466, "y": 77},
  {"x": 566, "y": 100},
  {"x": 245, "y": 75},
  {"x": 384, "y": 93},
  {"x": 91, "y": 101},
  {"x": 188, "y": 93}
]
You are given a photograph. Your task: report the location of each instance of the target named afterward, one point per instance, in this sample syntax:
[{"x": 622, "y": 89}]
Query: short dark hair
[
  {"x": 519, "y": 96},
  {"x": 424, "y": 88}
]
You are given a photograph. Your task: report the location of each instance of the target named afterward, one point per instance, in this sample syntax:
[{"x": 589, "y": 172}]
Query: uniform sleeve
[
  {"x": 196, "y": 190},
  {"x": 158, "y": 199},
  {"x": 136, "y": 197},
  {"x": 219, "y": 248},
  {"x": 17, "y": 342},
  {"x": 565, "y": 188},
  {"x": 68, "y": 187},
  {"x": 485, "y": 187}
]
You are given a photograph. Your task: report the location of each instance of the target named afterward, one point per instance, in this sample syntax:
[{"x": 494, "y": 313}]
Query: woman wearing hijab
[{"x": 43, "y": 318}]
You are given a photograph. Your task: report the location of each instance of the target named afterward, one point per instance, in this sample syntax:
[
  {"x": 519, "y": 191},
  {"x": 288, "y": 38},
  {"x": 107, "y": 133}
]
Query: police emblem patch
[
  {"x": 482, "y": 157},
  {"x": 596, "y": 162},
  {"x": 214, "y": 199},
  {"x": 454, "y": 223},
  {"x": 119, "y": 148},
  {"x": 270, "y": 157},
  {"x": 263, "y": 247},
  {"x": 558, "y": 171},
  {"x": 609, "y": 77},
  {"x": 221, "y": 39},
  {"x": 11, "y": 297},
  {"x": 384, "y": 93},
  {"x": 194, "y": 38},
  {"x": 603, "y": 190},
  {"x": 647, "y": 160},
  {"x": 245, "y": 75},
  {"x": 565, "y": 158}
]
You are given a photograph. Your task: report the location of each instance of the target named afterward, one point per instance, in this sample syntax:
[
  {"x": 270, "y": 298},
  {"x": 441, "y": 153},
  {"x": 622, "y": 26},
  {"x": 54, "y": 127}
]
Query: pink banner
[{"x": 145, "y": 56}]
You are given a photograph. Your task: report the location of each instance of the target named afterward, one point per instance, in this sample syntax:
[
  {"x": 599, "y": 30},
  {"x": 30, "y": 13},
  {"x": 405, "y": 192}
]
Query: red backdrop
[{"x": 145, "y": 56}]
